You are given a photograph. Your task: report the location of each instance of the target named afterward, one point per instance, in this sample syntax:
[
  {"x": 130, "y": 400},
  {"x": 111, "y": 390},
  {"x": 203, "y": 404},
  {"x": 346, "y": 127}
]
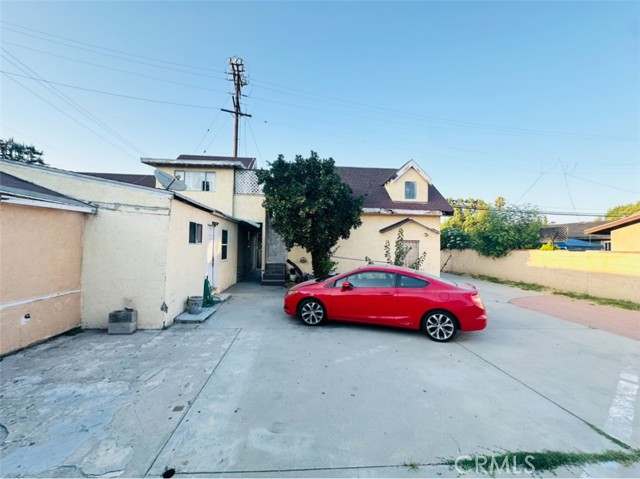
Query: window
[
  {"x": 369, "y": 279},
  {"x": 411, "y": 282},
  {"x": 410, "y": 188},
  {"x": 197, "y": 180},
  {"x": 225, "y": 244},
  {"x": 195, "y": 233}
]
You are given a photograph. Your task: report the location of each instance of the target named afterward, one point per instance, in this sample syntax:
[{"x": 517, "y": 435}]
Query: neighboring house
[
  {"x": 41, "y": 249},
  {"x": 146, "y": 249},
  {"x": 572, "y": 236},
  {"x": 405, "y": 198},
  {"x": 625, "y": 233}
]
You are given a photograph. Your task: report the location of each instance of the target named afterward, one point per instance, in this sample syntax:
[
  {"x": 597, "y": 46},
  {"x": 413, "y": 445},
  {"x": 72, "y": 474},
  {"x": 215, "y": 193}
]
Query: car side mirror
[{"x": 346, "y": 286}]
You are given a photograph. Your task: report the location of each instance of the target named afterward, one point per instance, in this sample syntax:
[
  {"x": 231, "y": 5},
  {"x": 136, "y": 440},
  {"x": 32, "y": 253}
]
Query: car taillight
[{"x": 477, "y": 301}]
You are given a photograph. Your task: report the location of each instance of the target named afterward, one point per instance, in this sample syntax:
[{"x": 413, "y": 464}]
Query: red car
[{"x": 390, "y": 296}]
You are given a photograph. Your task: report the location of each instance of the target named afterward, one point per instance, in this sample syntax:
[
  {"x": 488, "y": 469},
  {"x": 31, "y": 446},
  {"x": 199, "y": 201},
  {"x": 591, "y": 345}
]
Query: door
[
  {"x": 212, "y": 264},
  {"x": 414, "y": 252}
]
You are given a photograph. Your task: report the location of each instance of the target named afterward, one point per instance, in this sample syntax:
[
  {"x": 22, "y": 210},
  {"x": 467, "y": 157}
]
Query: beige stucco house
[
  {"x": 625, "y": 233},
  {"x": 41, "y": 249},
  {"x": 394, "y": 198},
  {"x": 143, "y": 248}
]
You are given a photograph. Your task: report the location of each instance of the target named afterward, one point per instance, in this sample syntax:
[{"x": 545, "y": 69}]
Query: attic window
[{"x": 410, "y": 189}]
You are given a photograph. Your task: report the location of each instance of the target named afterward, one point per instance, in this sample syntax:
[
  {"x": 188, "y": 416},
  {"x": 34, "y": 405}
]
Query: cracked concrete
[{"x": 254, "y": 393}]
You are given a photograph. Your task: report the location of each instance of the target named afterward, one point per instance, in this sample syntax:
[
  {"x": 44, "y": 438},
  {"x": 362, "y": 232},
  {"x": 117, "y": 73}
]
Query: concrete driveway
[{"x": 252, "y": 392}]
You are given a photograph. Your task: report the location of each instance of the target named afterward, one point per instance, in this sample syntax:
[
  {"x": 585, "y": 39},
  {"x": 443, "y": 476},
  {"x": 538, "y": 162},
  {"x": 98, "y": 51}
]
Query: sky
[{"x": 534, "y": 101}]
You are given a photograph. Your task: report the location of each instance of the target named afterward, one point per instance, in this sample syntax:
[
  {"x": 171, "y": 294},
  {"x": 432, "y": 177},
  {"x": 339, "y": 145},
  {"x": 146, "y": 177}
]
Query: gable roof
[
  {"x": 369, "y": 182},
  {"x": 200, "y": 160},
  {"x": 407, "y": 166},
  {"x": 18, "y": 191},
  {"x": 614, "y": 225}
]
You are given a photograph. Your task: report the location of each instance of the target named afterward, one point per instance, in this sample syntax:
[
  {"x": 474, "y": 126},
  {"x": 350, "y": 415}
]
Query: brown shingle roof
[
  {"x": 140, "y": 180},
  {"x": 369, "y": 182},
  {"x": 621, "y": 223}
]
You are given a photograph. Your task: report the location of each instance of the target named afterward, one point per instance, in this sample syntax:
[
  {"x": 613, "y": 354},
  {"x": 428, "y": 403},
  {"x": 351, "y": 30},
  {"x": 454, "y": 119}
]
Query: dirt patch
[{"x": 607, "y": 318}]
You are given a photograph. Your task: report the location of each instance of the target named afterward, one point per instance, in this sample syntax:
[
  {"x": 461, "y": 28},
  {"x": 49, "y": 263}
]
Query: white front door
[{"x": 212, "y": 263}]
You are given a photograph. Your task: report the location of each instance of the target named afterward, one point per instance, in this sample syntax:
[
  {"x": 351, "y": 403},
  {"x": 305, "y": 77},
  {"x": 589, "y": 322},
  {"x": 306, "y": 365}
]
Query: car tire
[
  {"x": 440, "y": 326},
  {"x": 312, "y": 312}
]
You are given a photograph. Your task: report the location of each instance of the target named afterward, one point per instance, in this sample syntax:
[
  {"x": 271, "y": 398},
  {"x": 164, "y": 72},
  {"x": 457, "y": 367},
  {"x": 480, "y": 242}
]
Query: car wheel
[
  {"x": 311, "y": 312},
  {"x": 440, "y": 326}
]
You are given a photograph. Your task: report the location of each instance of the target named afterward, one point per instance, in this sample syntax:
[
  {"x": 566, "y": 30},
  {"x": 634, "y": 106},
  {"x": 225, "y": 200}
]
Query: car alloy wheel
[
  {"x": 312, "y": 312},
  {"x": 440, "y": 326}
]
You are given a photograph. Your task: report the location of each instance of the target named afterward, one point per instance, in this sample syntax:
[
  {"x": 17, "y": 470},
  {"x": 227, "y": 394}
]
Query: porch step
[{"x": 274, "y": 274}]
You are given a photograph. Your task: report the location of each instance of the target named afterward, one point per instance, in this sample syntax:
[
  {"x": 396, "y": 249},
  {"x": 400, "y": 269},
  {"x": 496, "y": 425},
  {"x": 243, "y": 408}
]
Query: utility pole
[{"x": 239, "y": 80}]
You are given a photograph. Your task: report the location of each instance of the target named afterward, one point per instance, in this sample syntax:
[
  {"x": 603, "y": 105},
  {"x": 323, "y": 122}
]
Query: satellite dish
[{"x": 169, "y": 182}]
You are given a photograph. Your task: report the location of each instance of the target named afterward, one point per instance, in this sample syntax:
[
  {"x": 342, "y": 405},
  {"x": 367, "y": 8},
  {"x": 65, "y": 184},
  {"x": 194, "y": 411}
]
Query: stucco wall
[
  {"x": 599, "y": 273},
  {"x": 187, "y": 263},
  {"x": 125, "y": 265},
  {"x": 626, "y": 238},
  {"x": 41, "y": 258},
  {"x": 220, "y": 199},
  {"x": 249, "y": 207},
  {"x": 368, "y": 241},
  {"x": 396, "y": 188}
]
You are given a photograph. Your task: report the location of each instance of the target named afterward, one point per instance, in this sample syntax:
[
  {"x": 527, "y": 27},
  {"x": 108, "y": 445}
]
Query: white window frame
[
  {"x": 197, "y": 180},
  {"x": 415, "y": 190}
]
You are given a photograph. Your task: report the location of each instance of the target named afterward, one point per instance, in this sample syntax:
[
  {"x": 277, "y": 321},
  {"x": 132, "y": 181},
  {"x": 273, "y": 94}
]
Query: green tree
[
  {"x": 10, "y": 150},
  {"x": 467, "y": 213},
  {"x": 506, "y": 229},
  {"x": 452, "y": 237},
  {"x": 620, "y": 211},
  {"x": 310, "y": 206}
]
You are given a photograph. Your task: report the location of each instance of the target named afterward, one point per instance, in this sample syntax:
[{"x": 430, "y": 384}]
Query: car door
[
  {"x": 366, "y": 296},
  {"x": 414, "y": 299}
]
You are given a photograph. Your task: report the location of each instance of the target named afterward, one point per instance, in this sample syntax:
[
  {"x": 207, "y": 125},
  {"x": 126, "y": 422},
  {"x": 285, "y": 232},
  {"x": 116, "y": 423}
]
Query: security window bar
[
  {"x": 195, "y": 233},
  {"x": 225, "y": 244}
]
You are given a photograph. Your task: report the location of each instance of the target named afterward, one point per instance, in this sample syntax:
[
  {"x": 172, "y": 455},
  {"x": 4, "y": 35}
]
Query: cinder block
[{"x": 123, "y": 321}]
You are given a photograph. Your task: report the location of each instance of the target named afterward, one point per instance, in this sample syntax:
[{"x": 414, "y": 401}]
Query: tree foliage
[
  {"x": 621, "y": 211},
  {"x": 490, "y": 230},
  {"x": 310, "y": 206},
  {"x": 10, "y": 150}
]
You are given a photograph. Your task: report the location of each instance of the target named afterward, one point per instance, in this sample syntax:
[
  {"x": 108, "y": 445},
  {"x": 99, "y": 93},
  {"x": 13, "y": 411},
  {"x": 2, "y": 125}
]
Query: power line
[
  {"x": 120, "y": 57},
  {"x": 102, "y": 92},
  {"x": 71, "y": 118},
  {"x": 120, "y": 70},
  {"x": 71, "y": 102},
  {"x": 455, "y": 124}
]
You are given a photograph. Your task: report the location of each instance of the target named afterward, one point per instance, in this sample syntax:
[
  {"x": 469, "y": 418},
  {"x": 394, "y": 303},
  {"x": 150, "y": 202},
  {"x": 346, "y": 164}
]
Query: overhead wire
[
  {"x": 69, "y": 101},
  {"x": 72, "y": 118},
  {"x": 102, "y": 92}
]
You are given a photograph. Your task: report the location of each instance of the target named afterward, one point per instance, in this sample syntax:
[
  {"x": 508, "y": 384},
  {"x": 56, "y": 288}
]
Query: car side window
[
  {"x": 370, "y": 279},
  {"x": 411, "y": 282}
]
